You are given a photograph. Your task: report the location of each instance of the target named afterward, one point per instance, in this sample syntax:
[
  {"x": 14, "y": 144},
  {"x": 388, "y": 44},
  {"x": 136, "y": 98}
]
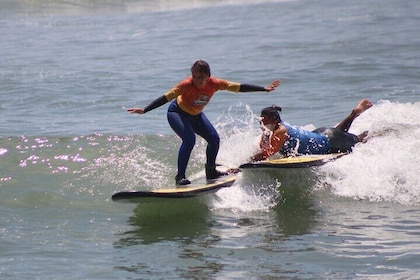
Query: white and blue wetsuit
[{"x": 319, "y": 141}]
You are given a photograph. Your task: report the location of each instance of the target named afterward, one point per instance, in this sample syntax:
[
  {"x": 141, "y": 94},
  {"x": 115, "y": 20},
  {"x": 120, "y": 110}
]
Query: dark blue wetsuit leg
[
  {"x": 340, "y": 141},
  {"x": 206, "y": 130},
  {"x": 185, "y": 126},
  {"x": 181, "y": 123}
]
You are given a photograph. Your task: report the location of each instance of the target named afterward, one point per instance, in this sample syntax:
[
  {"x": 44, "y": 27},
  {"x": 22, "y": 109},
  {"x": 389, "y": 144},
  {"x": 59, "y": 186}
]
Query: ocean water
[{"x": 70, "y": 69}]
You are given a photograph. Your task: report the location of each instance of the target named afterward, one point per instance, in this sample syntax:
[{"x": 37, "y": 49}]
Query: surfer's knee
[
  {"x": 213, "y": 139},
  {"x": 189, "y": 142}
]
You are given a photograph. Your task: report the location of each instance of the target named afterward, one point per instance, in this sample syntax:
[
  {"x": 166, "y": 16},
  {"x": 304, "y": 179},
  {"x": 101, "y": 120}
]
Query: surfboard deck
[
  {"x": 293, "y": 162},
  {"x": 197, "y": 187}
]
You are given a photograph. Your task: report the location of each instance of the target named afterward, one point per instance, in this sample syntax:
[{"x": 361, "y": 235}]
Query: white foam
[
  {"x": 383, "y": 169},
  {"x": 242, "y": 198},
  {"x": 386, "y": 167}
]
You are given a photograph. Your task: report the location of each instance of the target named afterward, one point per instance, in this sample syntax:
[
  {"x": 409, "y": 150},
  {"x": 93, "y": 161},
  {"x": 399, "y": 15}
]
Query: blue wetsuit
[{"x": 319, "y": 141}]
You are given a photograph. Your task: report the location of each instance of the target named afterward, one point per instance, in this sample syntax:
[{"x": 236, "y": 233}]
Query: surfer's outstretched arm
[
  {"x": 249, "y": 87},
  {"x": 156, "y": 103}
]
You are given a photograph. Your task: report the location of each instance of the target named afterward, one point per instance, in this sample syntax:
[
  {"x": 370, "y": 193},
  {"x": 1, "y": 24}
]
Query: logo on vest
[{"x": 201, "y": 100}]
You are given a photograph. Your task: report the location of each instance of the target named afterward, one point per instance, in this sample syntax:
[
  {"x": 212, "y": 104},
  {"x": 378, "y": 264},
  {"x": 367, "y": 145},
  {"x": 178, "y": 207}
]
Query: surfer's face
[
  {"x": 199, "y": 78},
  {"x": 269, "y": 123}
]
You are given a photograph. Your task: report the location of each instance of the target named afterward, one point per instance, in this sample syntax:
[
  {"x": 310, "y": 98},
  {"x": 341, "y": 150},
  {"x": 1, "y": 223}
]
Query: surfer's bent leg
[
  {"x": 181, "y": 124},
  {"x": 345, "y": 124},
  {"x": 206, "y": 130}
]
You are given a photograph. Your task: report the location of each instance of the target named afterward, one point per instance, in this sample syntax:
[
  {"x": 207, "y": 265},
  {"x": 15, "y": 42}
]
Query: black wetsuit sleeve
[
  {"x": 248, "y": 88},
  {"x": 157, "y": 103}
]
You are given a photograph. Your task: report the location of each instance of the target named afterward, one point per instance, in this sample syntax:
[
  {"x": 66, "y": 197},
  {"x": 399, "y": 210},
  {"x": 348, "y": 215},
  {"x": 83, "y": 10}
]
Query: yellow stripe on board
[
  {"x": 302, "y": 159},
  {"x": 189, "y": 189}
]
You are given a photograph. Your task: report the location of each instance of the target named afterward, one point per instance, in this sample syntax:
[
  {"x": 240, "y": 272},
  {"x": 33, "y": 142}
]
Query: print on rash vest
[{"x": 201, "y": 100}]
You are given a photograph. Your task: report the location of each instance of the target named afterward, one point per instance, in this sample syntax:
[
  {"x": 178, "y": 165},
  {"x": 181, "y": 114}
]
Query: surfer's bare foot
[
  {"x": 363, "y": 136},
  {"x": 362, "y": 106}
]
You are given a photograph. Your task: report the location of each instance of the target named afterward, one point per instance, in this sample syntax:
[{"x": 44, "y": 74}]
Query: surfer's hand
[
  {"x": 233, "y": 170},
  {"x": 273, "y": 85},
  {"x": 136, "y": 110},
  {"x": 258, "y": 157}
]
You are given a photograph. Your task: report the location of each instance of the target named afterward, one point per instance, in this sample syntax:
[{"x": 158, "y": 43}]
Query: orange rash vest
[{"x": 192, "y": 99}]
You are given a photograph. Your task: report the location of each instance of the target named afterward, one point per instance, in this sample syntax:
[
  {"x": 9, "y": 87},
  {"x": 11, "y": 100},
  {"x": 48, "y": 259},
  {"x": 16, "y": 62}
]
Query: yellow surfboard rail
[
  {"x": 303, "y": 161},
  {"x": 197, "y": 188}
]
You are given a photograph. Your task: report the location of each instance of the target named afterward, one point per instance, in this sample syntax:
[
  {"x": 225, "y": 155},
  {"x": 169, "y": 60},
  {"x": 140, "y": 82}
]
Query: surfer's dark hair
[
  {"x": 273, "y": 112},
  {"x": 202, "y": 67}
]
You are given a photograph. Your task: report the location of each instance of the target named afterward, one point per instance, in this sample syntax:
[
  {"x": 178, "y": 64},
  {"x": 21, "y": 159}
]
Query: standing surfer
[{"x": 185, "y": 114}]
